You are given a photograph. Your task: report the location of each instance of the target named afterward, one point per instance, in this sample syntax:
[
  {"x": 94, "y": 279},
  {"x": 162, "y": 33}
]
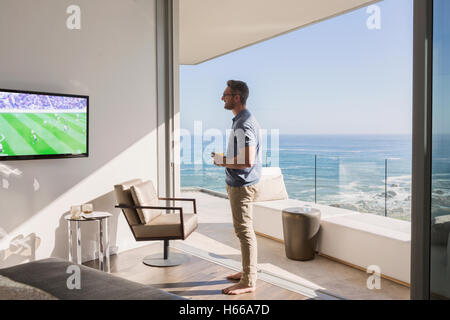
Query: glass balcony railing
[{"x": 376, "y": 186}]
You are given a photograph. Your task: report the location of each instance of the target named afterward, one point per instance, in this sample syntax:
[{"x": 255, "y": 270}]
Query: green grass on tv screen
[{"x": 23, "y": 134}]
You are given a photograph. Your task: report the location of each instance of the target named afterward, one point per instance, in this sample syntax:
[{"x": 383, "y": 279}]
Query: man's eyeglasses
[{"x": 230, "y": 94}]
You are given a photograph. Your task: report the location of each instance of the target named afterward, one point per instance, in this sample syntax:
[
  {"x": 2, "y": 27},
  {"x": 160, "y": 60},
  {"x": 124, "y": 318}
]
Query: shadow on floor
[
  {"x": 197, "y": 293},
  {"x": 189, "y": 284}
]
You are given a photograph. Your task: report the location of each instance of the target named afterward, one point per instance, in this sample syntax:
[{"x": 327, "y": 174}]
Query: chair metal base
[{"x": 174, "y": 259}]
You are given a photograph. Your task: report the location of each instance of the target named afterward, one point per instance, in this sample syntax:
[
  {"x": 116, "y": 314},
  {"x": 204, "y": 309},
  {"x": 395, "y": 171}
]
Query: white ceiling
[{"x": 211, "y": 28}]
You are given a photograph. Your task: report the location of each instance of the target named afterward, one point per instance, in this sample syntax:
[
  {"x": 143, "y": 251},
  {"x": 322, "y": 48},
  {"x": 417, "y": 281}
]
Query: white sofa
[{"x": 355, "y": 238}]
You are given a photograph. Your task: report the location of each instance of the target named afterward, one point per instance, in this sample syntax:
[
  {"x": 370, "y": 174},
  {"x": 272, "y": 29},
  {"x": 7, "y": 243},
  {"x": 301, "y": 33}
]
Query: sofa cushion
[
  {"x": 144, "y": 194},
  {"x": 51, "y": 275},
  {"x": 13, "y": 290},
  {"x": 167, "y": 225}
]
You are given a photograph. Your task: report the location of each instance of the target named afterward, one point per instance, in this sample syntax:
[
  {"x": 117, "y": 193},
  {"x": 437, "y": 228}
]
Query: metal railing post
[
  {"x": 315, "y": 178},
  {"x": 385, "y": 187}
]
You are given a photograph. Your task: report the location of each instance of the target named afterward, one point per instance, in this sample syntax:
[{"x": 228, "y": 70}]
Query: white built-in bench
[{"x": 358, "y": 239}]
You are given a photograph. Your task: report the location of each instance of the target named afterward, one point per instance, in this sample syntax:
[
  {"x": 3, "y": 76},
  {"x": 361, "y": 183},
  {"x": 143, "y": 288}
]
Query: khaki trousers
[{"x": 240, "y": 198}]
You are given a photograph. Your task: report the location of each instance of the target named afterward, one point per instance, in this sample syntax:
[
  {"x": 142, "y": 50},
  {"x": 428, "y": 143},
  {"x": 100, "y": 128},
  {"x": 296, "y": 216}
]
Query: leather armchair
[{"x": 160, "y": 226}]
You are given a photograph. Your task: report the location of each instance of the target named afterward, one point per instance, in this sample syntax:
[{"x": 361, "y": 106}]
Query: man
[{"x": 243, "y": 170}]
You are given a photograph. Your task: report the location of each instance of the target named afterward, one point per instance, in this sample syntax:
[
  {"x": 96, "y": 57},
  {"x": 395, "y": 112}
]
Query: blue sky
[
  {"x": 334, "y": 77},
  {"x": 441, "y": 73}
]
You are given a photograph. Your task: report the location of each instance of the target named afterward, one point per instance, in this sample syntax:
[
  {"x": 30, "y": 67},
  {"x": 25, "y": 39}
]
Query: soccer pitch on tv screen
[{"x": 42, "y": 125}]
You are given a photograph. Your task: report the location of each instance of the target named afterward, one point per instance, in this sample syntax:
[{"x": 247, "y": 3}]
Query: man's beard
[{"x": 229, "y": 106}]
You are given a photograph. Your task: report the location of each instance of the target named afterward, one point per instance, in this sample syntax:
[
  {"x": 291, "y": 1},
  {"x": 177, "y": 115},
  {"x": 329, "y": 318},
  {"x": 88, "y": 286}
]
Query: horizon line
[{"x": 334, "y": 134}]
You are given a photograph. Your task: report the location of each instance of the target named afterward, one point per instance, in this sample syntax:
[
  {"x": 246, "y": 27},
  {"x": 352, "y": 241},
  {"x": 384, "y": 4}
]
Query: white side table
[{"x": 102, "y": 236}]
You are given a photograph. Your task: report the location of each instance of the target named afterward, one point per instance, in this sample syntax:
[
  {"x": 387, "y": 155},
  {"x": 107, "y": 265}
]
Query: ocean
[{"x": 347, "y": 171}]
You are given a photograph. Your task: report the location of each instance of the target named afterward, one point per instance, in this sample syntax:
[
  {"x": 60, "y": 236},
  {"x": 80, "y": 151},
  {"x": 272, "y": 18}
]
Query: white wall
[{"x": 113, "y": 60}]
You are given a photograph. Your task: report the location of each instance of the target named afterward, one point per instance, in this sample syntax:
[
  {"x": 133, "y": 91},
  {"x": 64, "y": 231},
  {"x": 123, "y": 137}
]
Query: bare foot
[
  {"x": 238, "y": 289},
  {"x": 236, "y": 276}
]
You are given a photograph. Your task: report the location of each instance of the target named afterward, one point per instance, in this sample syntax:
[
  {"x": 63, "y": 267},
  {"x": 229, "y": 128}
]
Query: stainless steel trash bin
[{"x": 301, "y": 228}]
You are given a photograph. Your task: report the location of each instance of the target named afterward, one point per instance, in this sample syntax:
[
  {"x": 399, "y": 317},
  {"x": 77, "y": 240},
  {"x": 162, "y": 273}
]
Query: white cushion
[
  {"x": 270, "y": 172},
  {"x": 271, "y": 185}
]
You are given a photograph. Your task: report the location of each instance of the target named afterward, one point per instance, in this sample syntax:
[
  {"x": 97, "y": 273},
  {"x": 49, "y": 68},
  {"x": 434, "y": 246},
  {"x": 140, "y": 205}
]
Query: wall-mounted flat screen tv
[{"x": 38, "y": 125}]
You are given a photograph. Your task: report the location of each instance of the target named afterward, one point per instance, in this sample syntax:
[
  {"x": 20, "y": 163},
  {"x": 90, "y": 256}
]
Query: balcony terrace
[{"x": 320, "y": 278}]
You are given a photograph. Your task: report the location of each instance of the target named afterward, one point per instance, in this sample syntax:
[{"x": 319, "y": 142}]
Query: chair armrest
[
  {"x": 183, "y": 199},
  {"x": 122, "y": 206},
  {"x": 180, "y": 209}
]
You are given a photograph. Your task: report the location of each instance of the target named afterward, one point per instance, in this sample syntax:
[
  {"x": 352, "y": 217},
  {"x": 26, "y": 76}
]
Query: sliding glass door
[{"x": 440, "y": 162}]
